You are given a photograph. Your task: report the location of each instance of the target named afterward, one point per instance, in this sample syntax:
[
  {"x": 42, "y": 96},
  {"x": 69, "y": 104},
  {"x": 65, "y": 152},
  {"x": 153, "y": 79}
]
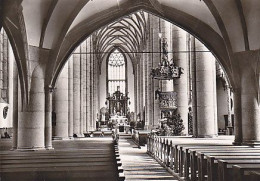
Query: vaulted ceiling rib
[{"x": 129, "y": 31}]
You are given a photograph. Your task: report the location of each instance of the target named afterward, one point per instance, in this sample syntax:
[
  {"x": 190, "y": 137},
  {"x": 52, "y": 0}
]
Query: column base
[
  {"x": 60, "y": 138},
  {"x": 79, "y": 136},
  {"x": 13, "y": 149},
  {"x": 187, "y": 135},
  {"x": 30, "y": 149},
  {"x": 251, "y": 143},
  {"x": 237, "y": 143},
  {"x": 206, "y": 136},
  {"x": 49, "y": 148}
]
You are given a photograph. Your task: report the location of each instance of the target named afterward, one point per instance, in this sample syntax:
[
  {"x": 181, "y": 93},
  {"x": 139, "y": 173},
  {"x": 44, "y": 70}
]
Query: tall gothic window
[
  {"x": 3, "y": 66},
  {"x": 116, "y": 72}
]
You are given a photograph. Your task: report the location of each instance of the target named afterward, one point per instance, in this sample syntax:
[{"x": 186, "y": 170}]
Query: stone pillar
[
  {"x": 156, "y": 60},
  {"x": 32, "y": 120},
  {"x": 205, "y": 75},
  {"x": 136, "y": 91},
  {"x": 230, "y": 126},
  {"x": 91, "y": 83},
  {"x": 70, "y": 96},
  {"x": 48, "y": 118},
  {"x": 62, "y": 105},
  {"x": 214, "y": 77},
  {"x": 149, "y": 93},
  {"x": 194, "y": 86},
  {"x": 141, "y": 87},
  {"x": 167, "y": 85},
  {"x": 97, "y": 73},
  {"x": 145, "y": 84},
  {"x": 237, "y": 117},
  {"x": 76, "y": 92},
  {"x": 81, "y": 88},
  {"x": 15, "y": 105},
  {"x": 84, "y": 85},
  {"x": 181, "y": 84},
  {"x": 250, "y": 109},
  {"x": 88, "y": 83},
  {"x": 95, "y": 91},
  {"x": 150, "y": 90}
]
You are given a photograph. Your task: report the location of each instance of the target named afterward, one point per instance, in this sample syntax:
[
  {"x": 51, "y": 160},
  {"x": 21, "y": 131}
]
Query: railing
[
  {"x": 140, "y": 137},
  {"x": 163, "y": 150},
  {"x": 136, "y": 138},
  {"x": 115, "y": 137},
  {"x": 186, "y": 159}
]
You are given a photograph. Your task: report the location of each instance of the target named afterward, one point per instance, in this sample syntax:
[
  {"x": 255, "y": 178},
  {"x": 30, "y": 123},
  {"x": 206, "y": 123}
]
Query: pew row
[{"x": 198, "y": 159}]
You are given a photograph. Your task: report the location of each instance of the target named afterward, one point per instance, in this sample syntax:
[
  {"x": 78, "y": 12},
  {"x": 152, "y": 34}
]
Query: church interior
[{"x": 129, "y": 90}]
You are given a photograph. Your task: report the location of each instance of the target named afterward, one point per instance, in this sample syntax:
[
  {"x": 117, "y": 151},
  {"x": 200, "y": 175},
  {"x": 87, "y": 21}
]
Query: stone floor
[
  {"x": 89, "y": 159},
  {"x": 137, "y": 164}
]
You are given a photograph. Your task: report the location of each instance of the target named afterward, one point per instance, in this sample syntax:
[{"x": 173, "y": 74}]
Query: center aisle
[{"x": 137, "y": 164}]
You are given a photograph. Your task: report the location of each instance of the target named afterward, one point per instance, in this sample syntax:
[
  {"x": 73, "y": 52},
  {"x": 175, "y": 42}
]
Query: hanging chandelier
[{"x": 166, "y": 69}]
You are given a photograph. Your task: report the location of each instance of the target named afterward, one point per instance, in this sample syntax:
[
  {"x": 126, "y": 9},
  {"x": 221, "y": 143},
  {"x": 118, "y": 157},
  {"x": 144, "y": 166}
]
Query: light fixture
[{"x": 166, "y": 69}]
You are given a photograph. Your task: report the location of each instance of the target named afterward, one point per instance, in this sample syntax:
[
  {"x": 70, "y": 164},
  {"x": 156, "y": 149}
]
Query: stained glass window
[
  {"x": 4, "y": 66},
  {"x": 116, "y": 72}
]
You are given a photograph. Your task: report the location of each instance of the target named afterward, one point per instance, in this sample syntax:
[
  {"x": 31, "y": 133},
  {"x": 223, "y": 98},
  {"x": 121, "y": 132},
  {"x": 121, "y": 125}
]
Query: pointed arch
[
  {"x": 212, "y": 40},
  {"x": 14, "y": 26}
]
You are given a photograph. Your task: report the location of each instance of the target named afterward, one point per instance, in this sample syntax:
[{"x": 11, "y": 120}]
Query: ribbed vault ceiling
[
  {"x": 227, "y": 27},
  {"x": 128, "y": 33}
]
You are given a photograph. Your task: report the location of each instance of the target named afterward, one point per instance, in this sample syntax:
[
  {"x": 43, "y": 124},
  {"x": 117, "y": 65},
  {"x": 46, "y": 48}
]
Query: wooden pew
[
  {"x": 243, "y": 172},
  {"x": 182, "y": 154},
  {"x": 174, "y": 155},
  {"x": 212, "y": 162},
  {"x": 254, "y": 175},
  {"x": 184, "y": 162},
  {"x": 227, "y": 173},
  {"x": 121, "y": 176},
  {"x": 183, "y": 159},
  {"x": 198, "y": 156}
]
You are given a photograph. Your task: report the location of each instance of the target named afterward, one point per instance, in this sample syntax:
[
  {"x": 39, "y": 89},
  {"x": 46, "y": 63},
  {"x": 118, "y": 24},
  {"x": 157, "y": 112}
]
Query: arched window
[
  {"x": 4, "y": 66},
  {"x": 116, "y": 72}
]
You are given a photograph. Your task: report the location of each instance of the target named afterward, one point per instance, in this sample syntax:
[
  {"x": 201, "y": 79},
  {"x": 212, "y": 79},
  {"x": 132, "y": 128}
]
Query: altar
[
  {"x": 120, "y": 123},
  {"x": 117, "y": 103},
  {"x": 117, "y": 109},
  {"x": 118, "y": 120}
]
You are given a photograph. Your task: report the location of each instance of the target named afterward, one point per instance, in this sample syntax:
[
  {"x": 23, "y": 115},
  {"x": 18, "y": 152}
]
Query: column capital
[
  {"x": 248, "y": 63},
  {"x": 49, "y": 89}
]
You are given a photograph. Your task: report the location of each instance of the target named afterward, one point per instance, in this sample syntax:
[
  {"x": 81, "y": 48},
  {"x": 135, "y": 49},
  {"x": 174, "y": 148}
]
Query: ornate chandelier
[{"x": 166, "y": 69}]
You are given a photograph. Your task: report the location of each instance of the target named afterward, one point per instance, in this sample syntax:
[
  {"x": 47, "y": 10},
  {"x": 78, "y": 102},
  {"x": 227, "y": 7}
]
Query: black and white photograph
[{"x": 129, "y": 90}]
